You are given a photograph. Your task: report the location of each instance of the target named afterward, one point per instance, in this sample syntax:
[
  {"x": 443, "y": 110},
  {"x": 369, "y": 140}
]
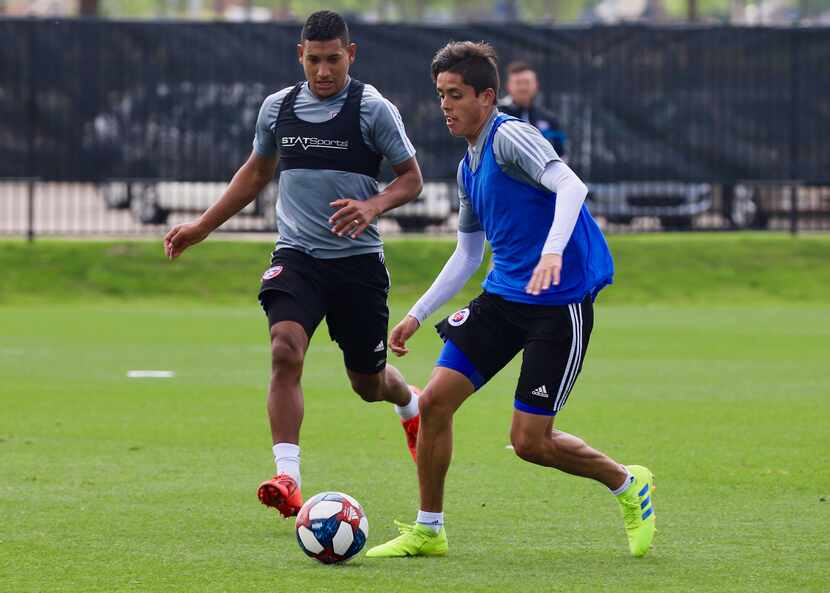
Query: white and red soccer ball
[{"x": 331, "y": 527}]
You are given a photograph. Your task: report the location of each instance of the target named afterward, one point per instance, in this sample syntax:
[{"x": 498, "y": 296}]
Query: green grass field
[{"x": 708, "y": 364}]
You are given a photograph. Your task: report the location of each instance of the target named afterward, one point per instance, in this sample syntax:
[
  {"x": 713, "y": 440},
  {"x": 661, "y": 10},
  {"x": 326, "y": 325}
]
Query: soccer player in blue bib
[{"x": 550, "y": 260}]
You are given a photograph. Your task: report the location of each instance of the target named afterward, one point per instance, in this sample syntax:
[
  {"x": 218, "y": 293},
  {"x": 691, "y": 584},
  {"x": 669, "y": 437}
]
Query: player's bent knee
[
  {"x": 431, "y": 406},
  {"x": 286, "y": 355},
  {"x": 527, "y": 447},
  {"x": 370, "y": 389}
]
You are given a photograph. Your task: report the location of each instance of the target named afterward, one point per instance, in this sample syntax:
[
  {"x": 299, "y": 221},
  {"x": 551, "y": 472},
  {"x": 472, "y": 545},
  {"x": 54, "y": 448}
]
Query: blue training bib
[{"x": 516, "y": 218}]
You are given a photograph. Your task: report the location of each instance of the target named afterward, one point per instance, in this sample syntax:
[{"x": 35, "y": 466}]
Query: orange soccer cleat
[{"x": 282, "y": 493}]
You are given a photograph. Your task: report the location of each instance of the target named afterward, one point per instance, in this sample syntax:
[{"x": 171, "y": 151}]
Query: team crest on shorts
[
  {"x": 458, "y": 317},
  {"x": 272, "y": 272}
]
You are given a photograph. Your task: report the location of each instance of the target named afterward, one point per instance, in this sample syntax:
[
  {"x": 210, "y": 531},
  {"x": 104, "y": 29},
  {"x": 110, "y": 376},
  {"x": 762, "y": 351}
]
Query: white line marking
[{"x": 150, "y": 374}]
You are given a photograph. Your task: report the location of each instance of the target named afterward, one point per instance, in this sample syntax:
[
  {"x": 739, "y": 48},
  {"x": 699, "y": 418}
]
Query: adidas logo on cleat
[{"x": 540, "y": 391}]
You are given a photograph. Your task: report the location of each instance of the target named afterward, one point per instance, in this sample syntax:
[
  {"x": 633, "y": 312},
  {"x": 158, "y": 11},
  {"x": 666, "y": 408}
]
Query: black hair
[
  {"x": 477, "y": 63},
  {"x": 325, "y": 25}
]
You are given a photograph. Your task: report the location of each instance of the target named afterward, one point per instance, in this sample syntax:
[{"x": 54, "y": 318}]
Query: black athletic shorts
[
  {"x": 490, "y": 331},
  {"x": 350, "y": 292}
]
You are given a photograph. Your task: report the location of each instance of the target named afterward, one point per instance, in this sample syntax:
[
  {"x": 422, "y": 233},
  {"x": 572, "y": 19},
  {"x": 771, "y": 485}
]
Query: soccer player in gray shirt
[{"x": 328, "y": 135}]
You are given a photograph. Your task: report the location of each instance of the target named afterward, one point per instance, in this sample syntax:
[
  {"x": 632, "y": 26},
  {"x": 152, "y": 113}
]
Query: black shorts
[
  {"x": 490, "y": 331},
  {"x": 350, "y": 292}
]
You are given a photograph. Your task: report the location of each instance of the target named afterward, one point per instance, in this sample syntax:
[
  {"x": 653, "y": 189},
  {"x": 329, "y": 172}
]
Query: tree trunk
[{"x": 85, "y": 8}]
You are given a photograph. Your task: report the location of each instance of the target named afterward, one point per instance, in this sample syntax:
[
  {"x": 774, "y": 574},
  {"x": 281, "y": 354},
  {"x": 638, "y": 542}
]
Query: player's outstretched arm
[
  {"x": 249, "y": 180},
  {"x": 353, "y": 216},
  {"x": 465, "y": 260}
]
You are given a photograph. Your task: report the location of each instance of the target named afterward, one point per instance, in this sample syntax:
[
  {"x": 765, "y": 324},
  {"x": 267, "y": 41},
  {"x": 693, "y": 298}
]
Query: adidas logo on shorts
[
  {"x": 540, "y": 391},
  {"x": 379, "y": 347}
]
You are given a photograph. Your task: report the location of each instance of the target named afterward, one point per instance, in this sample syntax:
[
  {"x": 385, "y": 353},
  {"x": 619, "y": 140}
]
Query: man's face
[
  {"x": 326, "y": 65},
  {"x": 464, "y": 112},
  {"x": 523, "y": 86}
]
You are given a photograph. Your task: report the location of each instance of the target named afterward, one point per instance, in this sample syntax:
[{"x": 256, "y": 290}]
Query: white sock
[
  {"x": 287, "y": 458},
  {"x": 410, "y": 410},
  {"x": 629, "y": 479},
  {"x": 434, "y": 521}
]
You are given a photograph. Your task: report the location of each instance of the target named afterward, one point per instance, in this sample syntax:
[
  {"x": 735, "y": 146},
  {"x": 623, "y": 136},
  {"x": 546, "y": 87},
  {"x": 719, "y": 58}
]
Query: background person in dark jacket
[{"x": 522, "y": 88}]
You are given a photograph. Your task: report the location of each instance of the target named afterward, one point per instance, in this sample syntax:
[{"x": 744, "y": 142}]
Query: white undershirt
[
  {"x": 469, "y": 252},
  {"x": 465, "y": 260}
]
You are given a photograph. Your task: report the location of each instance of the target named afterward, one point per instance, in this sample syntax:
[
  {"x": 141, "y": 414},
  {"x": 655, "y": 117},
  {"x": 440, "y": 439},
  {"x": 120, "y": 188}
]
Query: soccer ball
[{"x": 331, "y": 527}]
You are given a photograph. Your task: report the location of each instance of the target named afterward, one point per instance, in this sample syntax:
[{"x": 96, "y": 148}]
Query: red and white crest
[
  {"x": 458, "y": 317},
  {"x": 272, "y": 272}
]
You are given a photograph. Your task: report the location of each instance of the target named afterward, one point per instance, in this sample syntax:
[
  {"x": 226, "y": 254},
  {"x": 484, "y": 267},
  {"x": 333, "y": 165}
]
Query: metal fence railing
[
  {"x": 128, "y": 127},
  {"x": 31, "y": 208}
]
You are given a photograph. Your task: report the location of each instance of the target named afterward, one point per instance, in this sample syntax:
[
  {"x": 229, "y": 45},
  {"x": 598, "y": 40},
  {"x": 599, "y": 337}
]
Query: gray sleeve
[
  {"x": 520, "y": 145},
  {"x": 467, "y": 220},
  {"x": 265, "y": 143},
  {"x": 382, "y": 127}
]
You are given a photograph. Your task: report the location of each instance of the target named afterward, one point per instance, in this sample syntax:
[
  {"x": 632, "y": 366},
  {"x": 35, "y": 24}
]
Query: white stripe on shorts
[
  {"x": 566, "y": 374},
  {"x": 577, "y": 361}
]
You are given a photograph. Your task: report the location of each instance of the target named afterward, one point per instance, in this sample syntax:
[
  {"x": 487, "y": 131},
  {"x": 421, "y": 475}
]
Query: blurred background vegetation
[{"x": 542, "y": 12}]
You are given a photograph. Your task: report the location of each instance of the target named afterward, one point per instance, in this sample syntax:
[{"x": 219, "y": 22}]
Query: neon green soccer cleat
[
  {"x": 414, "y": 540},
  {"x": 637, "y": 509}
]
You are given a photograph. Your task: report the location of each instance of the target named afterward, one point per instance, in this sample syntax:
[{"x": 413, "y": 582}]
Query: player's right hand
[
  {"x": 401, "y": 333},
  {"x": 182, "y": 236}
]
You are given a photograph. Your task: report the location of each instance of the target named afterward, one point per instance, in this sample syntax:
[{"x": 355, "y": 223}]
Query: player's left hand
[
  {"x": 545, "y": 273},
  {"x": 352, "y": 217}
]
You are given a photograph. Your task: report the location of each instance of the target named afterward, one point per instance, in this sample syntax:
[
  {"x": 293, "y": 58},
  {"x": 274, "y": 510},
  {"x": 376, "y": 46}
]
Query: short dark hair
[
  {"x": 325, "y": 25},
  {"x": 518, "y": 66},
  {"x": 477, "y": 63}
]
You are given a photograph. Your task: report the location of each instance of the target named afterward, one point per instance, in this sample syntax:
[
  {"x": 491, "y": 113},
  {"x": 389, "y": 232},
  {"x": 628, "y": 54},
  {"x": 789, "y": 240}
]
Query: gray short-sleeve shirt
[{"x": 304, "y": 194}]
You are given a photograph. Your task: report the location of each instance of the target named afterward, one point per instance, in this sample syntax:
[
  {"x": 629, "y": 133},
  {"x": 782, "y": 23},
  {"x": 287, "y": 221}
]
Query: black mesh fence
[{"x": 129, "y": 126}]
